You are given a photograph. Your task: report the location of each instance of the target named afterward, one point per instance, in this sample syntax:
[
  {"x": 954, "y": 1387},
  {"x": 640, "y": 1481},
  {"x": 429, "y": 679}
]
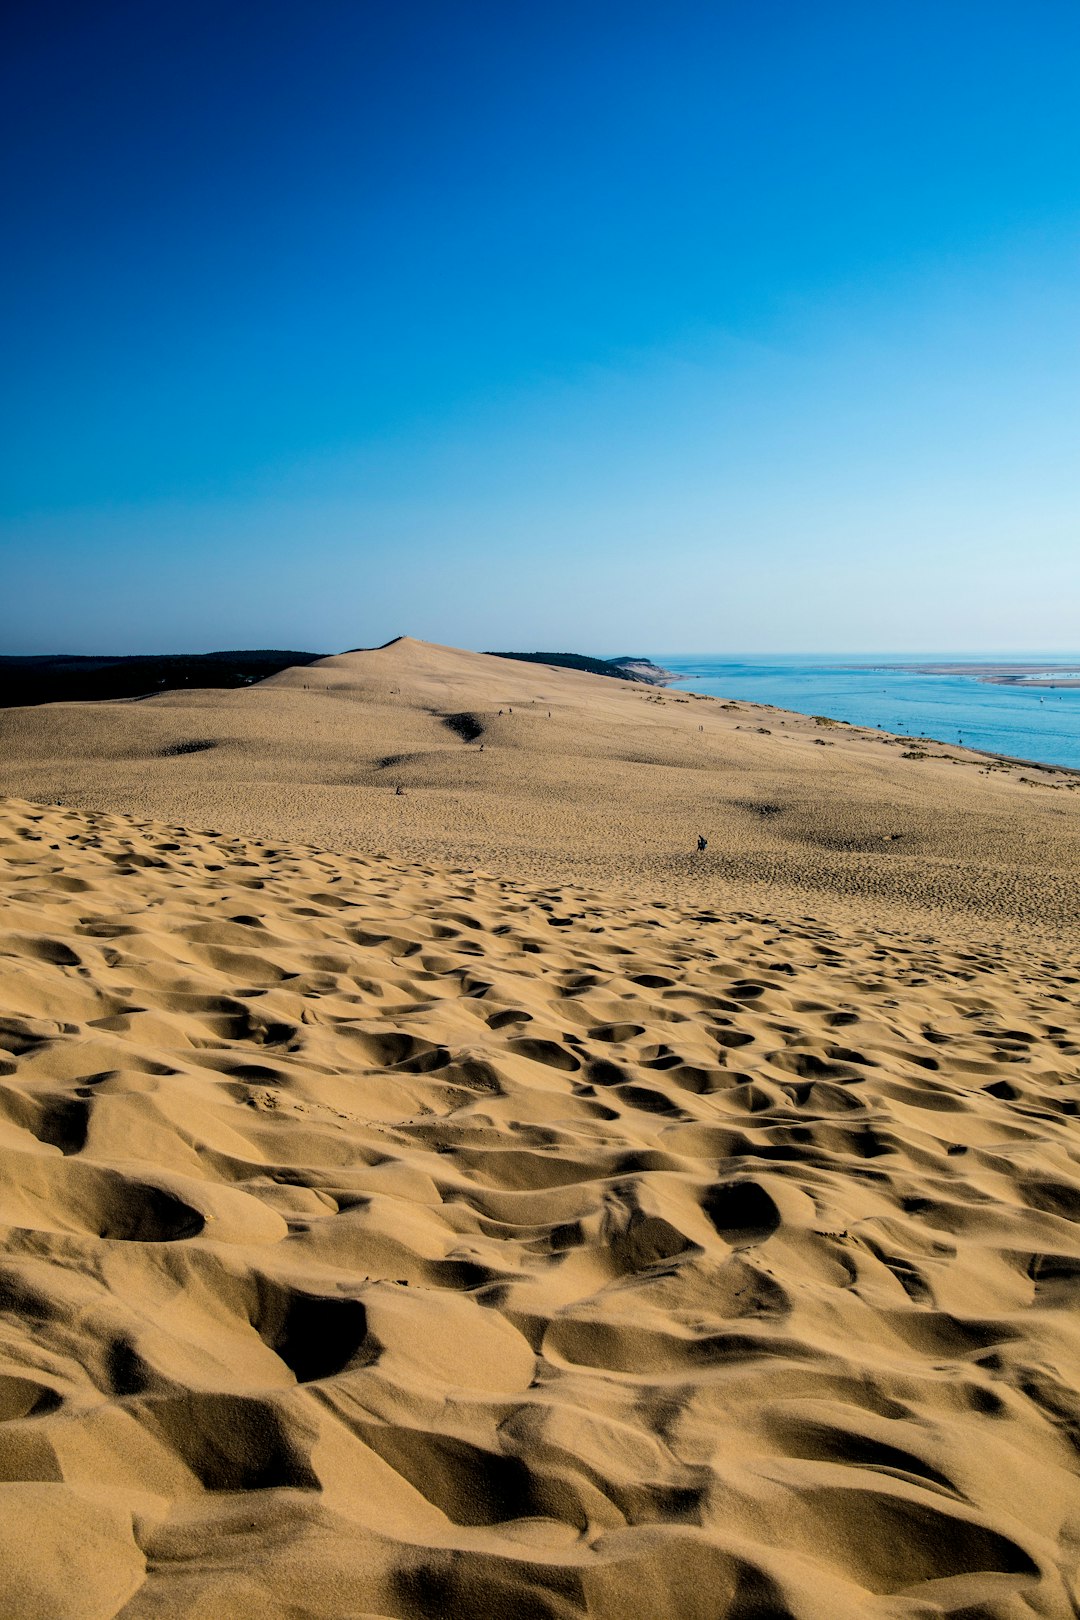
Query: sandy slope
[
  {"x": 379, "y": 1238},
  {"x": 613, "y": 789}
]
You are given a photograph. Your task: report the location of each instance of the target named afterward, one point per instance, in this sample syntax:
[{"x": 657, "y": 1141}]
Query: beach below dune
[
  {"x": 472, "y": 1201},
  {"x": 1027, "y": 711}
]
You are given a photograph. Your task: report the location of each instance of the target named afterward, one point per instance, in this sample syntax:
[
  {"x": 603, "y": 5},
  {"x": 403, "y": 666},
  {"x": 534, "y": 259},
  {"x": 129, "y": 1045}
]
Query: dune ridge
[
  {"x": 385, "y": 1238},
  {"x": 551, "y": 776}
]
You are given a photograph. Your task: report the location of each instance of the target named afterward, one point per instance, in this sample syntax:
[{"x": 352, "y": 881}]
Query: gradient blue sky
[{"x": 605, "y": 327}]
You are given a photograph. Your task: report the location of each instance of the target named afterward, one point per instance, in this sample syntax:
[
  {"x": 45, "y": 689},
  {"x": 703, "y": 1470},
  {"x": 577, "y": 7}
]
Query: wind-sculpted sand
[
  {"x": 554, "y": 776},
  {"x": 383, "y": 1239},
  {"x": 624, "y": 1230}
]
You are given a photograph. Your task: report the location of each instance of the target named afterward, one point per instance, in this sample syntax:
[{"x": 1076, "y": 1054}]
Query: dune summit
[{"x": 613, "y": 1229}]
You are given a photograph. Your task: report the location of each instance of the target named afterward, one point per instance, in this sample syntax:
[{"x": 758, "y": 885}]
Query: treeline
[
  {"x": 63, "y": 678},
  {"x": 592, "y": 666}
]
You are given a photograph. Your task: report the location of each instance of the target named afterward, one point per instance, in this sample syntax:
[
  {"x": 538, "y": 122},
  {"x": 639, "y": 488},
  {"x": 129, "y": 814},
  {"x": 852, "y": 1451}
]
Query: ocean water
[{"x": 1027, "y": 722}]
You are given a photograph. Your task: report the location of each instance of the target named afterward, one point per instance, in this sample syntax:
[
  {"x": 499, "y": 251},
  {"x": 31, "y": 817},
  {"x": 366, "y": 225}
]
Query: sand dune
[
  {"x": 384, "y": 1237},
  {"x": 611, "y": 790}
]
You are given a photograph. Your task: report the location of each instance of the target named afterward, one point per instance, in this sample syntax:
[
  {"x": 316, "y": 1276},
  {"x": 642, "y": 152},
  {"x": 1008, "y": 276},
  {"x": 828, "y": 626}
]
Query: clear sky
[{"x": 604, "y": 327}]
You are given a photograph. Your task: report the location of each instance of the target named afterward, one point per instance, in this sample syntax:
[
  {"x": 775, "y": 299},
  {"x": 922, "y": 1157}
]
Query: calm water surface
[{"x": 1026, "y": 721}]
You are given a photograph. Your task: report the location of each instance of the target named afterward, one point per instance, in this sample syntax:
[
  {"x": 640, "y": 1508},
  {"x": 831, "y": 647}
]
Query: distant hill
[
  {"x": 628, "y": 668},
  {"x": 60, "y": 678}
]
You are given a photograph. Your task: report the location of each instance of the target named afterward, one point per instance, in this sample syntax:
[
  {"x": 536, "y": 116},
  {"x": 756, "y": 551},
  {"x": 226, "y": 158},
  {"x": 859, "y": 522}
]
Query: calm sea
[{"x": 1038, "y": 723}]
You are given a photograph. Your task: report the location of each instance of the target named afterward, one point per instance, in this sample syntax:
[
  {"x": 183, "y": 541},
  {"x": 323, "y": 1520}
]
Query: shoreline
[
  {"x": 994, "y": 674},
  {"x": 899, "y": 736},
  {"x": 997, "y": 675},
  {"x": 1016, "y": 759},
  {"x": 1021, "y": 682}
]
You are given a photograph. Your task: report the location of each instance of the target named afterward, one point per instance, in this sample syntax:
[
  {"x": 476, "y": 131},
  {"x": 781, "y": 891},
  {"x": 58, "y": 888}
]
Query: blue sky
[{"x": 683, "y": 327}]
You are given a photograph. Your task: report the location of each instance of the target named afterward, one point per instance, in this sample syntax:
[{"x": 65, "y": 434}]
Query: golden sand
[
  {"x": 613, "y": 789},
  {"x": 612, "y": 1230}
]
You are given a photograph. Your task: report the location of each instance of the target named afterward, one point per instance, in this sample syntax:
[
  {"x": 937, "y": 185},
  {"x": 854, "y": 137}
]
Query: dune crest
[
  {"x": 386, "y": 1239},
  {"x": 550, "y": 775}
]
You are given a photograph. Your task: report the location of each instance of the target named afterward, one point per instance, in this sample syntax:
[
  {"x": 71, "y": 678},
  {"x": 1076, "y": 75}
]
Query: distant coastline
[
  {"x": 629, "y": 667},
  {"x": 998, "y": 674},
  {"x": 1024, "y": 709}
]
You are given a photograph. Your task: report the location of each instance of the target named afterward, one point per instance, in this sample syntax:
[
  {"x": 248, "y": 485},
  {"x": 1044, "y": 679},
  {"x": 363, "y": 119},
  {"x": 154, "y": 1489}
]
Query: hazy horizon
[
  {"x": 936, "y": 654},
  {"x": 564, "y": 329}
]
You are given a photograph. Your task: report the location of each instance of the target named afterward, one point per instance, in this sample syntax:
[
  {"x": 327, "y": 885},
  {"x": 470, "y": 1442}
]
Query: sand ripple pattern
[{"x": 381, "y": 1240}]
